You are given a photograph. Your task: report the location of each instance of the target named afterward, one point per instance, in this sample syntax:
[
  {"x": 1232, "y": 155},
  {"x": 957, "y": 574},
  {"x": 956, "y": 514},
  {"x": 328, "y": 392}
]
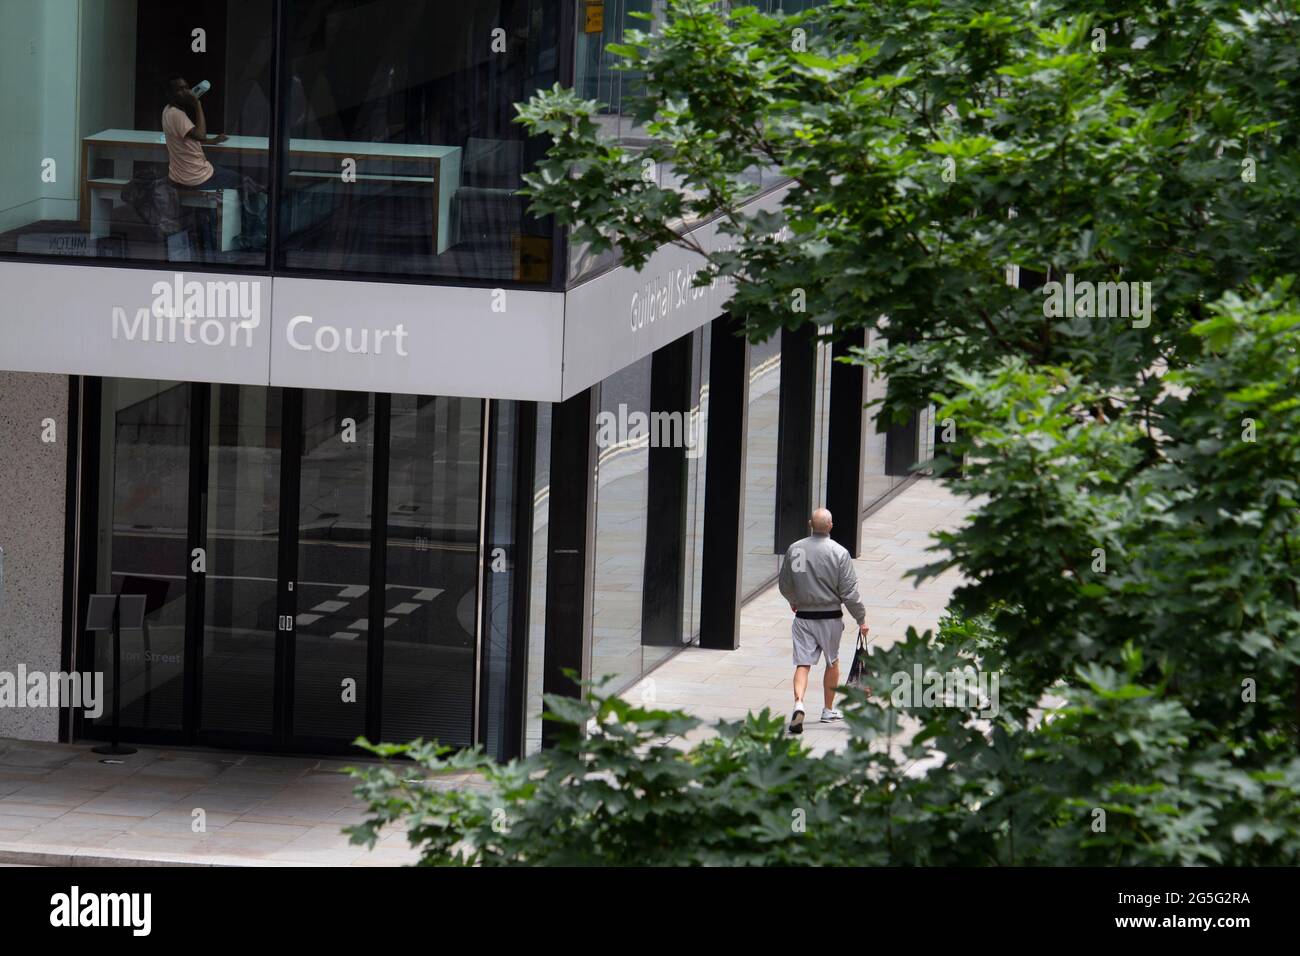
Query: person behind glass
[{"x": 187, "y": 166}]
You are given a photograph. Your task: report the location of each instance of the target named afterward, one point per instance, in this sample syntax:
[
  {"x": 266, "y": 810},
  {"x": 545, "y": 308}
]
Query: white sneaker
[
  {"x": 830, "y": 713},
  {"x": 796, "y": 719}
]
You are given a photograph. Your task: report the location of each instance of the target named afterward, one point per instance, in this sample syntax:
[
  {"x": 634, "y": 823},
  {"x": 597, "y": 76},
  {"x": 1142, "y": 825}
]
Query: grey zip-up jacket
[{"x": 817, "y": 575}]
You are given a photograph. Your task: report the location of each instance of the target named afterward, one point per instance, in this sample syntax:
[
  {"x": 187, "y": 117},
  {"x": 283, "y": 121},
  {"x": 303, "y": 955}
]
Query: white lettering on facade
[{"x": 357, "y": 341}]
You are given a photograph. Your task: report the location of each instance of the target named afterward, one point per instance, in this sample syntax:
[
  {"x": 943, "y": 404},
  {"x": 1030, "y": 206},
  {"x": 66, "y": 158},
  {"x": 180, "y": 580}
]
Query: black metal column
[
  {"x": 724, "y": 490},
  {"x": 796, "y": 428},
  {"x": 846, "y": 443},
  {"x": 665, "y": 545},
  {"x": 570, "y": 549}
]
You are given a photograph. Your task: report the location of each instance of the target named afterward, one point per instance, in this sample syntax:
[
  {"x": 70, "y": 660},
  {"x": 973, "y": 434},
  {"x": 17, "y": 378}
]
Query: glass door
[
  {"x": 329, "y": 659},
  {"x": 311, "y": 560},
  {"x": 141, "y": 549},
  {"x": 239, "y": 652}
]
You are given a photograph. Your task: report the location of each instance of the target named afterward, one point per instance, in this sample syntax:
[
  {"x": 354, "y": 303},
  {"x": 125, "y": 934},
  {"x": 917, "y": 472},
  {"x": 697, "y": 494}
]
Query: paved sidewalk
[
  {"x": 60, "y": 805},
  {"x": 714, "y": 684}
]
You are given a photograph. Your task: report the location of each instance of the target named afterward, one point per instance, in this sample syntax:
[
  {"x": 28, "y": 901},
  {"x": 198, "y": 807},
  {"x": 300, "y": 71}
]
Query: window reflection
[
  {"x": 332, "y": 627},
  {"x": 759, "y": 560},
  {"x": 431, "y": 599},
  {"x": 404, "y": 157},
  {"x": 622, "y": 488},
  {"x": 143, "y": 475},
  {"x": 133, "y": 144}
]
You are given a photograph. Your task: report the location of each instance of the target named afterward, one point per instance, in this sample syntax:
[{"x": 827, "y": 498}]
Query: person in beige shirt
[{"x": 187, "y": 166}]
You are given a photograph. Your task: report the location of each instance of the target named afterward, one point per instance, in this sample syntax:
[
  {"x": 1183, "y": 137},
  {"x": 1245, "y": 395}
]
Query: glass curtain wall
[
  {"x": 821, "y": 419},
  {"x": 136, "y": 129},
  {"x": 602, "y": 24},
  {"x": 622, "y": 488},
  {"x": 541, "y": 506},
  {"x": 245, "y": 437},
  {"x": 431, "y": 595},
  {"x": 696, "y": 476},
  {"x": 507, "y": 561},
  {"x": 331, "y": 630},
  {"x": 141, "y": 544},
  {"x": 891, "y": 449},
  {"x": 403, "y": 155},
  {"x": 282, "y": 505},
  {"x": 876, "y": 481},
  {"x": 144, "y": 133},
  {"x": 759, "y": 561}
]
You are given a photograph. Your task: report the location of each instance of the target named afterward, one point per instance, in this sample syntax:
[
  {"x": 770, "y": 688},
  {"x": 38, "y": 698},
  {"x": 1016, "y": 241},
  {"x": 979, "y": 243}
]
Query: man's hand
[
  {"x": 862, "y": 629},
  {"x": 219, "y": 138}
]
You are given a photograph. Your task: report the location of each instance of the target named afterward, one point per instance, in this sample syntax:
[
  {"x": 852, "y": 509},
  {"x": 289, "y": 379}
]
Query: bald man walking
[{"x": 817, "y": 576}]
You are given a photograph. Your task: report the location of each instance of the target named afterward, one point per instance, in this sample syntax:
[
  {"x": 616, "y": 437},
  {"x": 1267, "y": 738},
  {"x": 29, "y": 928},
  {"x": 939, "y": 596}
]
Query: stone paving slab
[{"x": 59, "y": 806}]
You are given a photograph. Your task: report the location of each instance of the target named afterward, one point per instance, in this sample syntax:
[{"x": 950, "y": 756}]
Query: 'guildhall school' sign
[{"x": 623, "y": 315}]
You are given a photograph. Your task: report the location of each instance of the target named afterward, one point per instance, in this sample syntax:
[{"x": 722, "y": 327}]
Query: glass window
[
  {"x": 431, "y": 604},
  {"x": 135, "y": 129},
  {"x": 507, "y": 566},
  {"x": 142, "y": 545},
  {"x": 601, "y": 24},
  {"x": 332, "y": 627},
  {"x": 541, "y": 510},
  {"x": 245, "y": 437},
  {"x": 696, "y": 475},
  {"x": 876, "y": 480},
  {"x": 759, "y": 559},
  {"x": 622, "y": 489},
  {"x": 404, "y": 157}
]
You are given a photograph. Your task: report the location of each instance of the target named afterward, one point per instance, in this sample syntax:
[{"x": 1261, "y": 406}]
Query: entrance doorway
[{"x": 312, "y": 560}]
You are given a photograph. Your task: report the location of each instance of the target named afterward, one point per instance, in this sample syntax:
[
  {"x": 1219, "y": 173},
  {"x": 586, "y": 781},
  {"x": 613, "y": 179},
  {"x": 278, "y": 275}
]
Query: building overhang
[{"x": 352, "y": 335}]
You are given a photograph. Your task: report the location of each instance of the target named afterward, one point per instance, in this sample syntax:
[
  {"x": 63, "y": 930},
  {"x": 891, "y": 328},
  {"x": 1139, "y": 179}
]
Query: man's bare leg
[
  {"x": 801, "y": 681},
  {"x": 830, "y": 681}
]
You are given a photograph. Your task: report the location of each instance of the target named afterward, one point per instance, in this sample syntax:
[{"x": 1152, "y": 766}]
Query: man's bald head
[{"x": 820, "y": 521}]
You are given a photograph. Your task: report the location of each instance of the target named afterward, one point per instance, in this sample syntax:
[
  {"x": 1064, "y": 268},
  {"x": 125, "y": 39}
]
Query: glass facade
[
  {"x": 403, "y": 155},
  {"x": 696, "y": 476},
  {"x": 541, "y": 511},
  {"x": 622, "y": 487},
  {"x": 877, "y": 481},
  {"x": 377, "y": 564},
  {"x": 274, "y": 621},
  {"x": 144, "y": 429},
  {"x": 335, "y": 491},
  {"x": 431, "y": 594},
  {"x": 116, "y": 150},
  {"x": 148, "y": 132},
  {"x": 242, "y": 533},
  {"x": 507, "y": 559},
  {"x": 760, "y": 561},
  {"x": 600, "y": 25}
]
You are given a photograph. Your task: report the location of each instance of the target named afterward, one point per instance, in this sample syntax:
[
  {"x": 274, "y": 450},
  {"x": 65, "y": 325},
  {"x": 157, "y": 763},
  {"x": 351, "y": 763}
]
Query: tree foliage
[{"x": 1130, "y": 559}]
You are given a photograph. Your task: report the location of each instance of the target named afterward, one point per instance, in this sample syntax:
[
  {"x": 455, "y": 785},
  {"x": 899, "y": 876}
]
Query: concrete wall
[{"x": 33, "y": 478}]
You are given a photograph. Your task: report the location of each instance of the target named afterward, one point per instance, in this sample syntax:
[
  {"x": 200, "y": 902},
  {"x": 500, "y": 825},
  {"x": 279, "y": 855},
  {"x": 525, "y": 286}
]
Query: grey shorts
[{"x": 814, "y": 637}]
